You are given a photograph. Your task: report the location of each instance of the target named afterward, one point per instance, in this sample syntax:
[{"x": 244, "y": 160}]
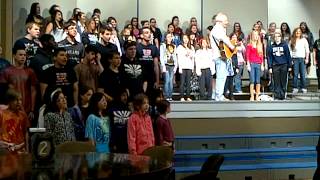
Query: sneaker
[
  {"x": 304, "y": 91},
  {"x": 188, "y": 99},
  {"x": 225, "y": 99},
  {"x": 295, "y": 91},
  {"x": 182, "y": 99}
]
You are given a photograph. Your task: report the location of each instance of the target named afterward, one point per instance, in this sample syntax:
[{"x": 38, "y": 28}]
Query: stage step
[{"x": 251, "y": 167}]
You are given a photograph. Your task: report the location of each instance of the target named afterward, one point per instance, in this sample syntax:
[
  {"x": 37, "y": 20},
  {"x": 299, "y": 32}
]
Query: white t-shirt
[{"x": 301, "y": 48}]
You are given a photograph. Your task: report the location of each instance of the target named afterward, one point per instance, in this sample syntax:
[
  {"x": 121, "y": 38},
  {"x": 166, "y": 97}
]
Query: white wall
[
  {"x": 246, "y": 12},
  {"x": 166, "y": 9},
  {"x": 295, "y": 11},
  {"x": 21, "y": 10},
  {"x": 122, "y": 10}
]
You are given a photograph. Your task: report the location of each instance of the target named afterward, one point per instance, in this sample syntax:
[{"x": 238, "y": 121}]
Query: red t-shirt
[
  {"x": 253, "y": 55},
  {"x": 21, "y": 80}
]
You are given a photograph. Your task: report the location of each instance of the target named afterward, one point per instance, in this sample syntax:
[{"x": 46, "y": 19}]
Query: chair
[
  {"x": 161, "y": 153},
  {"x": 164, "y": 156},
  {"x": 209, "y": 169},
  {"x": 212, "y": 164},
  {"x": 75, "y": 147},
  {"x": 205, "y": 176}
]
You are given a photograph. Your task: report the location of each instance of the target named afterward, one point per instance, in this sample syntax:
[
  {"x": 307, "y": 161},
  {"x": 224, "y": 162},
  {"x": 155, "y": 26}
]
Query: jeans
[
  {"x": 229, "y": 86},
  {"x": 255, "y": 73},
  {"x": 168, "y": 82},
  {"x": 221, "y": 72},
  {"x": 237, "y": 79},
  {"x": 299, "y": 68},
  {"x": 205, "y": 83},
  {"x": 185, "y": 81},
  {"x": 318, "y": 75}
]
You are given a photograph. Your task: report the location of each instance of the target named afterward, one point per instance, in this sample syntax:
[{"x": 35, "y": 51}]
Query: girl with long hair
[
  {"x": 81, "y": 24},
  {"x": 169, "y": 64},
  {"x": 34, "y": 15},
  {"x": 185, "y": 54},
  {"x": 80, "y": 112},
  {"x": 254, "y": 54},
  {"x": 307, "y": 34},
  {"x": 177, "y": 30},
  {"x": 91, "y": 34},
  {"x": 205, "y": 68},
  {"x": 55, "y": 26},
  {"x": 285, "y": 32},
  {"x": 98, "y": 123},
  {"x": 299, "y": 50},
  {"x": 135, "y": 27},
  {"x": 238, "y": 31}
]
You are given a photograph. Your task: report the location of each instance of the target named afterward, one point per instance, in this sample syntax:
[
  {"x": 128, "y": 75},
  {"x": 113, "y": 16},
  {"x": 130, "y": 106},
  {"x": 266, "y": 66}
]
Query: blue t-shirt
[{"x": 98, "y": 129}]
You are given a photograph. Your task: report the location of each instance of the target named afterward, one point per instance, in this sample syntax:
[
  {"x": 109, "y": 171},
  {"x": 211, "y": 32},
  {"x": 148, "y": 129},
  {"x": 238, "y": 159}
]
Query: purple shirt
[{"x": 164, "y": 131}]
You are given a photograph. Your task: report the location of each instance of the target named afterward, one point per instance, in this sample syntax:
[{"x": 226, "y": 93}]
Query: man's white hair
[{"x": 220, "y": 17}]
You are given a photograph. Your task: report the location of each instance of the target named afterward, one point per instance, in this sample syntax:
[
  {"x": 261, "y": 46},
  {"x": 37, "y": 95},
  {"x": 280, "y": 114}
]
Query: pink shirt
[
  {"x": 253, "y": 55},
  {"x": 140, "y": 133}
]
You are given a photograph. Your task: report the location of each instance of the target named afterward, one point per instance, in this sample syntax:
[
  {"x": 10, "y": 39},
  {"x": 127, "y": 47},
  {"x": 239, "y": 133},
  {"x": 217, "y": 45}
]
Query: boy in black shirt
[
  {"x": 30, "y": 41},
  {"x": 60, "y": 76},
  {"x": 148, "y": 55},
  {"x": 131, "y": 70},
  {"x": 105, "y": 48},
  {"x": 75, "y": 50},
  {"x": 109, "y": 80}
]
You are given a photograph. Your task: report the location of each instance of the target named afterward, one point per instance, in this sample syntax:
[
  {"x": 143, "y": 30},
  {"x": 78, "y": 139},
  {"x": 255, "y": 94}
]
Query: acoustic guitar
[{"x": 225, "y": 51}]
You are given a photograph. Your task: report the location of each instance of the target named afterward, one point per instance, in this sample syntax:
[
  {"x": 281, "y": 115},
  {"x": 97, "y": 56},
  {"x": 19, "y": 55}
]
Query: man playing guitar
[{"x": 217, "y": 34}]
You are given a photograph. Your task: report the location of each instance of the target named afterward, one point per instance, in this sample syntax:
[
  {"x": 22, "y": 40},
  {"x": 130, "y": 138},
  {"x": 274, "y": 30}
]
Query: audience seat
[{"x": 75, "y": 147}]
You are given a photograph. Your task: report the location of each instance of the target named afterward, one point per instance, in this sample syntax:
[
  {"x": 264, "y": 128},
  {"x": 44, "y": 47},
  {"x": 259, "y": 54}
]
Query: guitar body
[{"x": 225, "y": 51}]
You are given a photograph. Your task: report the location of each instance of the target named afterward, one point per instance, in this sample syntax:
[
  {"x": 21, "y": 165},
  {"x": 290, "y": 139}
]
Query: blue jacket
[{"x": 279, "y": 54}]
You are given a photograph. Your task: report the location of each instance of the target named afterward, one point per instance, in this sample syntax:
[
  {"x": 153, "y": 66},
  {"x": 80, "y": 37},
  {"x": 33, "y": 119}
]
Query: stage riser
[
  {"x": 281, "y": 174},
  {"x": 223, "y": 126},
  {"x": 244, "y": 109},
  {"x": 245, "y": 143},
  {"x": 247, "y": 159}
]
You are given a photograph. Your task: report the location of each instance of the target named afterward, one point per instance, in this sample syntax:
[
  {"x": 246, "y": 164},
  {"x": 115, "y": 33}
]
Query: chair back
[
  {"x": 75, "y": 147},
  {"x": 162, "y": 153},
  {"x": 212, "y": 165}
]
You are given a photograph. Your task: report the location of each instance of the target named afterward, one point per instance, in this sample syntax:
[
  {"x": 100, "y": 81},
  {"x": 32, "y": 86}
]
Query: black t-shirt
[
  {"x": 30, "y": 45},
  {"x": 132, "y": 75},
  {"x": 146, "y": 55},
  {"x": 110, "y": 81},
  {"x": 63, "y": 78},
  {"x": 75, "y": 52},
  {"x": 157, "y": 34},
  {"x": 316, "y": 46},
  {"x": 105, "y": 51},
  {"x": 40, "y": 62},
  {"x": 119, "y": 114}
]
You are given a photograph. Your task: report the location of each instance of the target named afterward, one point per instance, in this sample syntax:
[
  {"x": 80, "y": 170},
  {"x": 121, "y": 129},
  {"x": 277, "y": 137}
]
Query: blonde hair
[{"x": 257, "y": 43}]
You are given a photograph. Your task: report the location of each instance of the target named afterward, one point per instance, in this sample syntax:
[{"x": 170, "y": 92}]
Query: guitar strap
[{"x": 215, "y": 41}]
